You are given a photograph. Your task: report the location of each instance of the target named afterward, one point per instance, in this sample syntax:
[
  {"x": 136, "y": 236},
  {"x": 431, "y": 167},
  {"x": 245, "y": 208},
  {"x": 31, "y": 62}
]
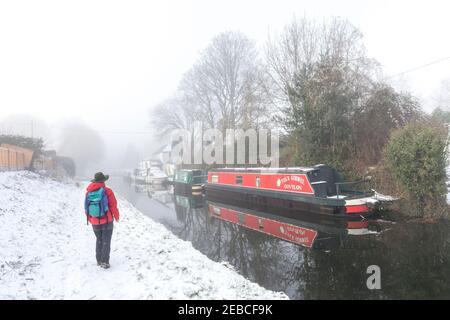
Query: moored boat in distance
[
  {"x": 187, "y": 181},
  {"x": 318, "y": 189},
  {"x": 150, "y": 172},
  {"x": 155, "y": 176}
]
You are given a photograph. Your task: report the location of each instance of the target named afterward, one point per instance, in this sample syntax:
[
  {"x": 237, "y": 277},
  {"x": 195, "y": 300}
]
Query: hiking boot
[
  {"x": 98, "y": 263},
  {"x": 105, "y": 265}
]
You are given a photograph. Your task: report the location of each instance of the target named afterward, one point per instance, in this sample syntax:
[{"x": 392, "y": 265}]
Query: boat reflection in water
[
  {"x": 158, "y": 192},
  {"x": 186, "y": 203},
  {"x": 276, "y": 252},
  {"x": 305, "y": 231},
  {"x": 286, "y": 231},
  {"x": 194, "y": 201}
]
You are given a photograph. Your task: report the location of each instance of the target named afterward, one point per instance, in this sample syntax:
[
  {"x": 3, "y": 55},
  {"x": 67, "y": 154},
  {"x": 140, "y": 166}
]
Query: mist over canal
[{"x": 413, "y": 257}]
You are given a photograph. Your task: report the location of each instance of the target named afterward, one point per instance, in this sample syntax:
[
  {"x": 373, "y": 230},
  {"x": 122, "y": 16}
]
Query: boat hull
[
  {"x": 186, "y": 188},
  {"x": 282, "y": 203}
]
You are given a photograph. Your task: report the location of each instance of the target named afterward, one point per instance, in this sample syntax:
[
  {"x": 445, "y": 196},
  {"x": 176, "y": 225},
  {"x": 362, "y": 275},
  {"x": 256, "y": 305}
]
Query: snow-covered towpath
[{"x": 48, "y": 252}]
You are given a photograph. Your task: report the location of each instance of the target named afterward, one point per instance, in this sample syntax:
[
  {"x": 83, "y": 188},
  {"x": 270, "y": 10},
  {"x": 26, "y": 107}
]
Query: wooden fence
[{"x": 12, "y": 159}]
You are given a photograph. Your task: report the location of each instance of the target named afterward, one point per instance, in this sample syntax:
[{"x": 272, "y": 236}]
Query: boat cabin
[
  {"x": 189, "y": 180},
  {"x": 317, "y": 189},
  {"x": 320, "y": 181}
]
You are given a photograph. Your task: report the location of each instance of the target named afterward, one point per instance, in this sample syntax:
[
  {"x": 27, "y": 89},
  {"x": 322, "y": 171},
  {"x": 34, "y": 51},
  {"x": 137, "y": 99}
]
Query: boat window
[
  {"x": 214, "y": 178},
  {"x": 258, "y": 181},
  {"x": 238, "y": 179}
]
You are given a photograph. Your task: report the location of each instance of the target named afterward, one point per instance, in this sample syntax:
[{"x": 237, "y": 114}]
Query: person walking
[{"x": 101, "y": 210}]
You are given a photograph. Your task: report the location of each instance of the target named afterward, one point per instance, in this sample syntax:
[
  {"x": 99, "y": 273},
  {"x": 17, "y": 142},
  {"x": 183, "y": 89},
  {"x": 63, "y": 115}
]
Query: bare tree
[
  {"x": 174, "y": 113},
  {"x": 320, "y": 74},
  {"x": 227, "y": 83},
  {"x": 331, "y": 103},
  {"x": 304, "y": 44},
  {"x": 225, "y": 89}
]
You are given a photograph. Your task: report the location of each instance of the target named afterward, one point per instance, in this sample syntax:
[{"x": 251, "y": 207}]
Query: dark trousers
[{"x": 103, "y": 232}]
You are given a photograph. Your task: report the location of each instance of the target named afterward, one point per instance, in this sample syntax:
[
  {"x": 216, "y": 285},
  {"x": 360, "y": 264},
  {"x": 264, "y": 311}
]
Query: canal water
[{"x": 329, "y": 261}]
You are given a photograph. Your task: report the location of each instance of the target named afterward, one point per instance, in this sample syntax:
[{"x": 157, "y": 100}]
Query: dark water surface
[{"x": 414, "y": 258}]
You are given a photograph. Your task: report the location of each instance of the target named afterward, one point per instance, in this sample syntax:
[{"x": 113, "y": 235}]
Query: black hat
[{"x": 100, "y": 177}]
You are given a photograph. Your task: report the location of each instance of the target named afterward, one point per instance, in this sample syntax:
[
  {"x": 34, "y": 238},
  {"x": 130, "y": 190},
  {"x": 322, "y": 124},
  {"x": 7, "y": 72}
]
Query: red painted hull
[{"x": 287, "y": 182}]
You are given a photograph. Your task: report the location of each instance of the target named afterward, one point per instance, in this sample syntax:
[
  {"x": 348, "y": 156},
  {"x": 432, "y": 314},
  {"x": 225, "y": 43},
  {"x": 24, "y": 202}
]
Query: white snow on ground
[{"x": 48, "y": 252}]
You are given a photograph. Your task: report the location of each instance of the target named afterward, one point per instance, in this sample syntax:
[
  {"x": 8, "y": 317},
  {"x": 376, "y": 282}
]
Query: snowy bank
[{"x": 48, "y": 252}]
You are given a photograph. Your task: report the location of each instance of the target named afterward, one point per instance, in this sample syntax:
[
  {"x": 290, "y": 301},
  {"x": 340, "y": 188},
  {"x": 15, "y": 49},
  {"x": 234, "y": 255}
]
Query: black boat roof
[{"x": 190, "y": 170}]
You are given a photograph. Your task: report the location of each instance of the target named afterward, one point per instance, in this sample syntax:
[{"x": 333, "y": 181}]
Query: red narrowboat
[{"x": 318, "y": 189}]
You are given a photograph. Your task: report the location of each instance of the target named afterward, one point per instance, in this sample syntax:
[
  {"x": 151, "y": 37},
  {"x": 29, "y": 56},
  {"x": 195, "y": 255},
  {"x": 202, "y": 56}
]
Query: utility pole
[{"x": 32, "y": 129}]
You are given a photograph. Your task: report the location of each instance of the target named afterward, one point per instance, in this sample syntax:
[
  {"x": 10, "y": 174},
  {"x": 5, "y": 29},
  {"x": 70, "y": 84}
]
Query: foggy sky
[{"x": 106, "y": 63}]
